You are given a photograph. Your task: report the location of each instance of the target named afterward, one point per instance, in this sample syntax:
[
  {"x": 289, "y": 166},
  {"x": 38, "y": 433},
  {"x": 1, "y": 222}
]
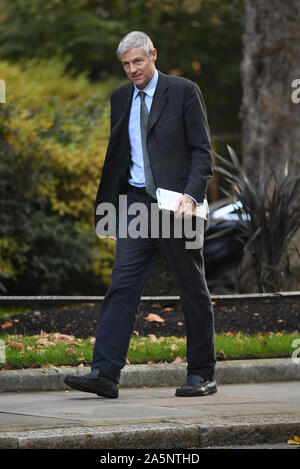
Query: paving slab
[{"x": 146, "y": 417}]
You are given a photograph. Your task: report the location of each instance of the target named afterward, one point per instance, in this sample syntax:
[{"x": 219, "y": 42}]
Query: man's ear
[{"x": 154, "y": 55}]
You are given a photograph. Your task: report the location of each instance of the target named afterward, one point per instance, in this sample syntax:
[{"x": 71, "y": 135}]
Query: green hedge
[{"x": 53, "y": 137}]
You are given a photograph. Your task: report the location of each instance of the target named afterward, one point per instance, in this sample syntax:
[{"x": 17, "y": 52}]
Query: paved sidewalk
[{"x": 147, "y": 417}]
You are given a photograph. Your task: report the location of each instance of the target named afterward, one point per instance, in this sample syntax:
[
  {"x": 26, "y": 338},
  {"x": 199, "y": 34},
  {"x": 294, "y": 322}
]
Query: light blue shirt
[{"x": 137, "y": 174}]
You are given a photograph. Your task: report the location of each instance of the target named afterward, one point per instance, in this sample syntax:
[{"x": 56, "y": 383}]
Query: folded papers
[{"x": 167, "y": 200}]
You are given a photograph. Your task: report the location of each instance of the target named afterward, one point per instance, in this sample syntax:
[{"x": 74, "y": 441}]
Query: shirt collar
[{"x": 149, "y": 88}]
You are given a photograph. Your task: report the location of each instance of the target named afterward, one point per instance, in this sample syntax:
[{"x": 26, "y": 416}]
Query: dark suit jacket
[{"x": 178, "y": 141}]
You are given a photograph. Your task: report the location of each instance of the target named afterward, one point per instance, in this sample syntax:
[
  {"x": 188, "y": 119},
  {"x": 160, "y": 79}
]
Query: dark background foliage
[
  {"x": 199, "y": 39},
  {"x": 39, "y": 248}
]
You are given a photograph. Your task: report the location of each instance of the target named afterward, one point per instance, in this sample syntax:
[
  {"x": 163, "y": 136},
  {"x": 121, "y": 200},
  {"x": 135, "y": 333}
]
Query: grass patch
[
  {"x": 260, "y": 345},
  {"x": 57, "y": 349},
  {"x": 10, "y": 310}
]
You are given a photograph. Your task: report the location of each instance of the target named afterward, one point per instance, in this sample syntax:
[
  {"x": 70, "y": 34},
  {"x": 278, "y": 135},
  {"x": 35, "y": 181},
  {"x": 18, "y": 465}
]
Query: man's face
[{"x": 138, "y": 66}]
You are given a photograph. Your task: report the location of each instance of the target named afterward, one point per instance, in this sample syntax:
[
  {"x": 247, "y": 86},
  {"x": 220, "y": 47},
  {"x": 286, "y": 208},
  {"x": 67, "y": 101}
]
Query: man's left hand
[{"x": 185, "y": 207}]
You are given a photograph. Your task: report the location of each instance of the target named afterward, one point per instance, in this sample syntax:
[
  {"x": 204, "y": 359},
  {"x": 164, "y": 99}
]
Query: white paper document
[{"x": 167, "y": 200}]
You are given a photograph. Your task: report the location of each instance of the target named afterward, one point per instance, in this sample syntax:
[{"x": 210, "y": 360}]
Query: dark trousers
[{"x": 135, "y": 260}]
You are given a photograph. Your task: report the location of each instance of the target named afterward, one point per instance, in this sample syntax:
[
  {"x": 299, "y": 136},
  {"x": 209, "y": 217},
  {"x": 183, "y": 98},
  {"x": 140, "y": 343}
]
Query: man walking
[{"x": 159, "y": 139}]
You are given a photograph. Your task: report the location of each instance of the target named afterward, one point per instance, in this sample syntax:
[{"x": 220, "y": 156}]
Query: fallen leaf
[
  {"x": 293, "y": 442},
  {"x": 16, "y": 345},
  {"x": 45, "y": 342},
  {"x": 168, "y": 309},
  {"x": 63, "y": 337},
  {"x": 69, "y": 351},
  {"x": 161, "y": 339},
  {"x": 154, "y": 318},
  {"x": 174, "y": 347},
  {"x": 177, "y": 360},
  {"x": 153, "y": 338},
  {"x": 6, "y": 325},
  {"x": 221, "y": 355}
]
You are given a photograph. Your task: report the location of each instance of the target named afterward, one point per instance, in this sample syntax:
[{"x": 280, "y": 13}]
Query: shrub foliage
[{"x": 53, "y": 137}]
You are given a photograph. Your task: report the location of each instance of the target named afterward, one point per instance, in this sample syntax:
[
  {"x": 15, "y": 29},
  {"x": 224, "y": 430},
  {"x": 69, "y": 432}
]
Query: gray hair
[{"x": 135, "y": 39}]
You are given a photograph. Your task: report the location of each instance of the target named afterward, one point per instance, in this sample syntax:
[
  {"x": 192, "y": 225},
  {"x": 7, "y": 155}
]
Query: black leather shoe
[
  {"x": 95, "y": 383},
  {"x": 195, "y": 385}
]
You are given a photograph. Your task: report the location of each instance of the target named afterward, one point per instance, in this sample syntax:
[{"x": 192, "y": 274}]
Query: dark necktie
[{"x": 150, "y": 186}]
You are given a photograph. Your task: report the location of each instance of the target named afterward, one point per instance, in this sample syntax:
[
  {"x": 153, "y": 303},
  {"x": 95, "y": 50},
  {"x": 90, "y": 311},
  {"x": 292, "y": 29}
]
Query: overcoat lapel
[
  {"x": 124, "y": 104},
  {"x": 160, "y": 99}
]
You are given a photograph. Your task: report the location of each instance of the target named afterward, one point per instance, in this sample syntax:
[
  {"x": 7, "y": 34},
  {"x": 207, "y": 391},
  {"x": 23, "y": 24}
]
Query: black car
[{"x": 223, "y": 247}]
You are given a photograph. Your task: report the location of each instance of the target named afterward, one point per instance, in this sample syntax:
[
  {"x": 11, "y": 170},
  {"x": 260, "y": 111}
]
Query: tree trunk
[{"x": 270, "y": 119}]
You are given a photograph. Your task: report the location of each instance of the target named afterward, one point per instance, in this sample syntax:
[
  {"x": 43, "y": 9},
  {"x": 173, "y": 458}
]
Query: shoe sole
[
  {"x": 181, "y": 393},
  {"x": 100, "y": 392}
]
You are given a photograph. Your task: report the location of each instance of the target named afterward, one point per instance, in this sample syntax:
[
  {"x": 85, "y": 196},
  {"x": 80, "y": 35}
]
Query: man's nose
[{"x": 132, "y": 68}]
